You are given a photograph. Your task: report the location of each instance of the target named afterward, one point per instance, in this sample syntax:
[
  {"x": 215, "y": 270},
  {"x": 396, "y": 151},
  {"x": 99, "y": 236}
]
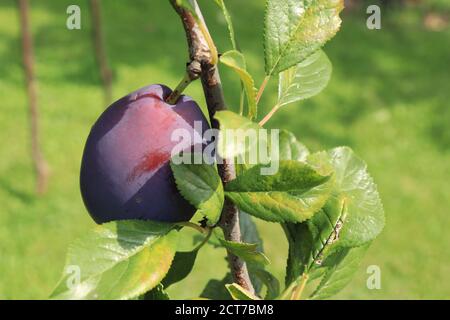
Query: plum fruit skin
[{"x": 125, "y": 170}]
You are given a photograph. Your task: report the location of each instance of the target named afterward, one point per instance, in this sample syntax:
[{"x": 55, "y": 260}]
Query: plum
[{"x": 125, "y": 170}]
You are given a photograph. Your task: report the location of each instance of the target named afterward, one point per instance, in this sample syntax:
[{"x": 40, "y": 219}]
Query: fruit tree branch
[
  {"x": 40, "y": 165},
  {"x": 100, "y": 51},
  {"x": 203, "y": 56}
]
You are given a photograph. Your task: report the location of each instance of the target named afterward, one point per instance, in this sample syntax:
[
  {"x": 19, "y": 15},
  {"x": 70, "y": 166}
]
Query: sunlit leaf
[
  {"x": 238, "y": 135},
  {"x": 365, "y": 215},
  {"x": 304, "y": 80},
  {"x": 290, "y": 148},
  {"x": 236, "y": 60},
  {"x": 340, "y": 268},
  {"x": 239, "y": 293},
  {"x": 119, "y": 260},
  {"x": 294, "y": 29},
  {"x": 294, "y": 193},
  {"x": 329, "y": 242},
  {"x": 200, "y": 184},
  {"x": 226, "y": 14},
  {"x": 309, "y": 242}
]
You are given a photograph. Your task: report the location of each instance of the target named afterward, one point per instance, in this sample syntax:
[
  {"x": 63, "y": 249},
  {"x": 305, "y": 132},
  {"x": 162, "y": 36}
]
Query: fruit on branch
[{"x": 125, "y": 170}]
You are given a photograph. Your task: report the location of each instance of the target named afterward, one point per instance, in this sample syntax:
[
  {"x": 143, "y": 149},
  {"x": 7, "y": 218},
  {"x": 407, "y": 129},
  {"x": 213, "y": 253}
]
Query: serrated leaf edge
[{"x": 98, "y": 229}]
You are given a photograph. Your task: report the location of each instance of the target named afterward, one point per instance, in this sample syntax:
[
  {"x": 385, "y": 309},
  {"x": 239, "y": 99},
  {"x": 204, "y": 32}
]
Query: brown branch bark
[
  {"x": 40, "y": 165},
  {"x": 100, "y": 51},
  {"x": 200, "y": 55}
]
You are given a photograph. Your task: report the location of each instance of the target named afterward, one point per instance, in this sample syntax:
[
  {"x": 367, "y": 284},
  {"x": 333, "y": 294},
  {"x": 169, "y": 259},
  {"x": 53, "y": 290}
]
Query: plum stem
[
  {"x": 201, "y": 51},
  {"x": 193, "y": 71},
  {"x": 176, "y": 94}
]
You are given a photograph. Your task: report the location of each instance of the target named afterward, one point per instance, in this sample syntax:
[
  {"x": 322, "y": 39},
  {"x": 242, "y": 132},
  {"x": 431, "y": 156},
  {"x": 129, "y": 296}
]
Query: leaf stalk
[
  {"x": 193, "y": 226},
  {"x": 262, "y": 88},
  {"x": 297, "y": 293},
  {"x": 269, "y": 115}
]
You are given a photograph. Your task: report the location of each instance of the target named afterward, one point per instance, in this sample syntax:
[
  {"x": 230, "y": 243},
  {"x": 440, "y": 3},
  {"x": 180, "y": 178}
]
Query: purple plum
[{"x": 125, "y": 170}]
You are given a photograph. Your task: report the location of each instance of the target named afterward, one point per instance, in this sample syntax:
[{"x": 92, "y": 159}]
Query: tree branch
[
  {"x": 202, "y": 65},
  {"x": 100, "y": 51},
  {"x": 40, "y": 165}
]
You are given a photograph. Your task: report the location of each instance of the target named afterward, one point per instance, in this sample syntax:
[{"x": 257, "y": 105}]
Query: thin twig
[
  {"x": 40, "y": 165},
  {"x": 200, "y": 51},
  {"x": 100, "y": 51}
]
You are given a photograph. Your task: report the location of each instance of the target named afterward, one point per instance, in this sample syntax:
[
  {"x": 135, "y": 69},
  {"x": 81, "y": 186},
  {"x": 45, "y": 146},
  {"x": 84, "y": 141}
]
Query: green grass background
[{"x": 388, "y": 99}]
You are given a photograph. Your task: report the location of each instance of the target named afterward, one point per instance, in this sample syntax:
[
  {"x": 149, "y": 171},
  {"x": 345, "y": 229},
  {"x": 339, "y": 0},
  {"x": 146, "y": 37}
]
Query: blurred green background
[{"x": 388, "y": 99}]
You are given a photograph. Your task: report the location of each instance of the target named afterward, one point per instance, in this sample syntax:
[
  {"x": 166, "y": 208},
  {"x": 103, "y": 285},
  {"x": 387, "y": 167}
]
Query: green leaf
[
  {"x": 119, "y": 260},
  {"x": 304, "y": 80},
  {"x": 352, "y": 217},
  {"x": 293, "y": 194},
  {"x": 365, "y": 215},
  {"x": 340, "y": 268},
  {"x": 249, "y": 231},
  {"x": 294, "y": 29},
  {"x": 182, "y": 265},
  {"x": 250, "y": 234},
  {"x": 285, "y": 147},
  {"x": 246, "y": 251},
  {"x": 237, "y": 136},
  {"x": 300, "y": 250},
  {"x": 216, "y": 290},
  {"x": 236, "y": 61},
  {"x": 239, "y": 293},
  {"x": 157, "y": 293},
  {"x": 200, "y": 184},
  {"x": 290, "y": 148},
  {"x": 309, "y": 242},
  {"x": 272, "y": 284},
  {"x": 226, "y": 14}
]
